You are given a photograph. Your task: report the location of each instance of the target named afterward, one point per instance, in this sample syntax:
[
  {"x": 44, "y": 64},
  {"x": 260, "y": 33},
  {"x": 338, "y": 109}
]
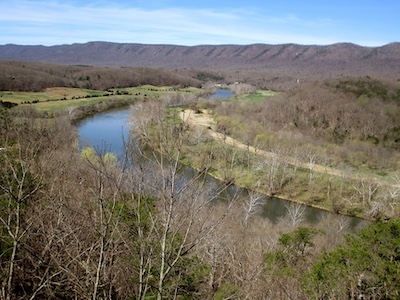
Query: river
[
  {"x": 221, "y": 94},
  {"x": 110, "y": 129}
]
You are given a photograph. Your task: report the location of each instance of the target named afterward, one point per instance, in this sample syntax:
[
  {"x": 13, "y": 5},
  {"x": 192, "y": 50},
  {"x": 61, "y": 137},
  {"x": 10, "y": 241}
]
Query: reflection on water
[
  {"x": 112, "y": 129},
  {"x": 108, "y": 128}
]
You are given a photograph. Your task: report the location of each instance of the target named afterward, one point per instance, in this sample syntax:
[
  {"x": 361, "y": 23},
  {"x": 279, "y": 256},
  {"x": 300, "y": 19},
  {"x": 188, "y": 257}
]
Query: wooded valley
[{"x": 81, "y": 224}]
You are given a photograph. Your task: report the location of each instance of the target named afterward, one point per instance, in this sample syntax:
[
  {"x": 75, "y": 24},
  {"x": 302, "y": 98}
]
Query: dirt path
[{"x": 204, "y": 119}]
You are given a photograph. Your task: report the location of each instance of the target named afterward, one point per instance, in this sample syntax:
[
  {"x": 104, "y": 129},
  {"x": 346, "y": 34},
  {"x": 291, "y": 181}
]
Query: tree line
[
  {"x": 82, "y": 225},
  {"x": 34, "y": 77},
  {"x": 305, "y": 163}
]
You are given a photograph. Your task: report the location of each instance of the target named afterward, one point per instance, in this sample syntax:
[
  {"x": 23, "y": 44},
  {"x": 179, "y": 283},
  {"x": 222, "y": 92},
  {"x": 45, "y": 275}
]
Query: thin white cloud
[{"x": 49, "y": 23}]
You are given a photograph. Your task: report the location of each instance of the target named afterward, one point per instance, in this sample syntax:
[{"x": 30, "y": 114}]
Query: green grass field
[
  {"x": 260, "y": 95},
  {"x": 60, "y": 98}
]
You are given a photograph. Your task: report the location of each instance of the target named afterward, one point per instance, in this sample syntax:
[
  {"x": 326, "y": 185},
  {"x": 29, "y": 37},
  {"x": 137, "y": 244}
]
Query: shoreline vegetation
[
  {"x": 305, "y": 175},
  {"x": 204, "y": 120},
  {"x": 79, "y": 103},
  {"x": 315, "y": 184},
  {"x": 81, "y": 225}
]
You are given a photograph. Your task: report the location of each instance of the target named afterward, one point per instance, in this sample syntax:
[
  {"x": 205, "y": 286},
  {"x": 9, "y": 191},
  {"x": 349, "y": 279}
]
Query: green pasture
[
  {"x": 47, "y": 95},
  {"x": 54, "y": 106},
  {"x": 260, "y": 95},
  {"x": 56, "y": 99}
]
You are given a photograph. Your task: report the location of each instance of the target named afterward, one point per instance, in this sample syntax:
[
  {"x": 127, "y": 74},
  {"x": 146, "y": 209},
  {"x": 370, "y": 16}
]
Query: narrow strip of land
[{"x": 205, "y": 119}]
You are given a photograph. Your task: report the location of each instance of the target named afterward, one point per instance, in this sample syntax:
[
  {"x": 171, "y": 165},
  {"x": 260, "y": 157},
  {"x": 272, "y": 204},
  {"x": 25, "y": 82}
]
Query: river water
[
  {"x": 221, "y": 94},
  {"x": 111, "y": 128},
  {"x": 106, "y": 129}
]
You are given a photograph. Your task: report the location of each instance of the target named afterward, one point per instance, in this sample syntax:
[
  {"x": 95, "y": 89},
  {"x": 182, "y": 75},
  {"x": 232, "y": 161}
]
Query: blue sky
[{"x": 56, "y": 22}]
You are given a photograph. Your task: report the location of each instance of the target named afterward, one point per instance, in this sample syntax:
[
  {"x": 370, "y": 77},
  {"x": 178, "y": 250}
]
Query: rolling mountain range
[
  {"x": 278, "y": 67},
  {"x": 337, "y": 56}
]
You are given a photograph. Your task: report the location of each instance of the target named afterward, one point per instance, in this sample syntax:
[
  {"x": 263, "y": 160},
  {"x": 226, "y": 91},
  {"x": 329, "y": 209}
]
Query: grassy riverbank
[
  {"x": 292, "y": 174},
  {"x": 272, "y": 174},
  {"x": 54, "y": 100}
]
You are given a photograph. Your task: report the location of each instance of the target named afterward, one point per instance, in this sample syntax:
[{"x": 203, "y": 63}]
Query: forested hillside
[
  {"x": 342, "y": 56},
  {"x": 28, "y": 76},
  {"x": 336, "y": 110},
  {"x": 269, "y": 66},
  {"x": 82, "y": 225}
]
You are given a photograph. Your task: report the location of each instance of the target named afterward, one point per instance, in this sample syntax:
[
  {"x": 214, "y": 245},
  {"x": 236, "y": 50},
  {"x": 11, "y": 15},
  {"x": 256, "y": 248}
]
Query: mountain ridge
[
  {"x": 91, "y": 51},
  {"x": 335, "y": 59}
]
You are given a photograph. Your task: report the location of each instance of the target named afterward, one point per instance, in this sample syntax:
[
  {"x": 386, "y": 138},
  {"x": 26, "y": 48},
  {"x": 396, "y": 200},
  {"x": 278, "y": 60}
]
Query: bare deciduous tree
[
  {"x": 18, "y": 187},
  {"x": 252, "y": 206},
  {"x": 295, "y": 213},
  {"x": 181, "y": 206},
  {"x": 366, "y": 189}
]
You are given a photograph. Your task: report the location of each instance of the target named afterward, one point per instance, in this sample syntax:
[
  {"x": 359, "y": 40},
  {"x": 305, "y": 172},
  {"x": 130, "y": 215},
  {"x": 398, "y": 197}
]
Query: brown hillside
[
  {"x": 272, "y": 66},
  {"x": 34, "y": 76},
  {"x": 337, "y": 56}
]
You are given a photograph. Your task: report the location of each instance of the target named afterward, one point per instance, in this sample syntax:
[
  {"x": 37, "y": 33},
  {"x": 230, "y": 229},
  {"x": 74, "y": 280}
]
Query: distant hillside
[
  {"x": 262, "y": 64},
  {"x": 337, "y": 56},
  {"x": 34, "y": 76}
]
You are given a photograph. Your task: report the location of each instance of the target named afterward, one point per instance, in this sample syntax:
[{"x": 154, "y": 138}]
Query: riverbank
[
  {"x": 204, "y": 119},
  {"x": 276, "y": 174},
  {"x": 109, "y": 131},
  {"x": 307, "y": 175},
  {"x": 61, "y": 100}
]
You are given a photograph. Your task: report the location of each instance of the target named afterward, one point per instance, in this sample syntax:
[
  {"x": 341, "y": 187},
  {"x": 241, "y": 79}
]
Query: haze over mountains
[
  {"x": 268, "y": 66},
  {"x": 337, "y": 56}
]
